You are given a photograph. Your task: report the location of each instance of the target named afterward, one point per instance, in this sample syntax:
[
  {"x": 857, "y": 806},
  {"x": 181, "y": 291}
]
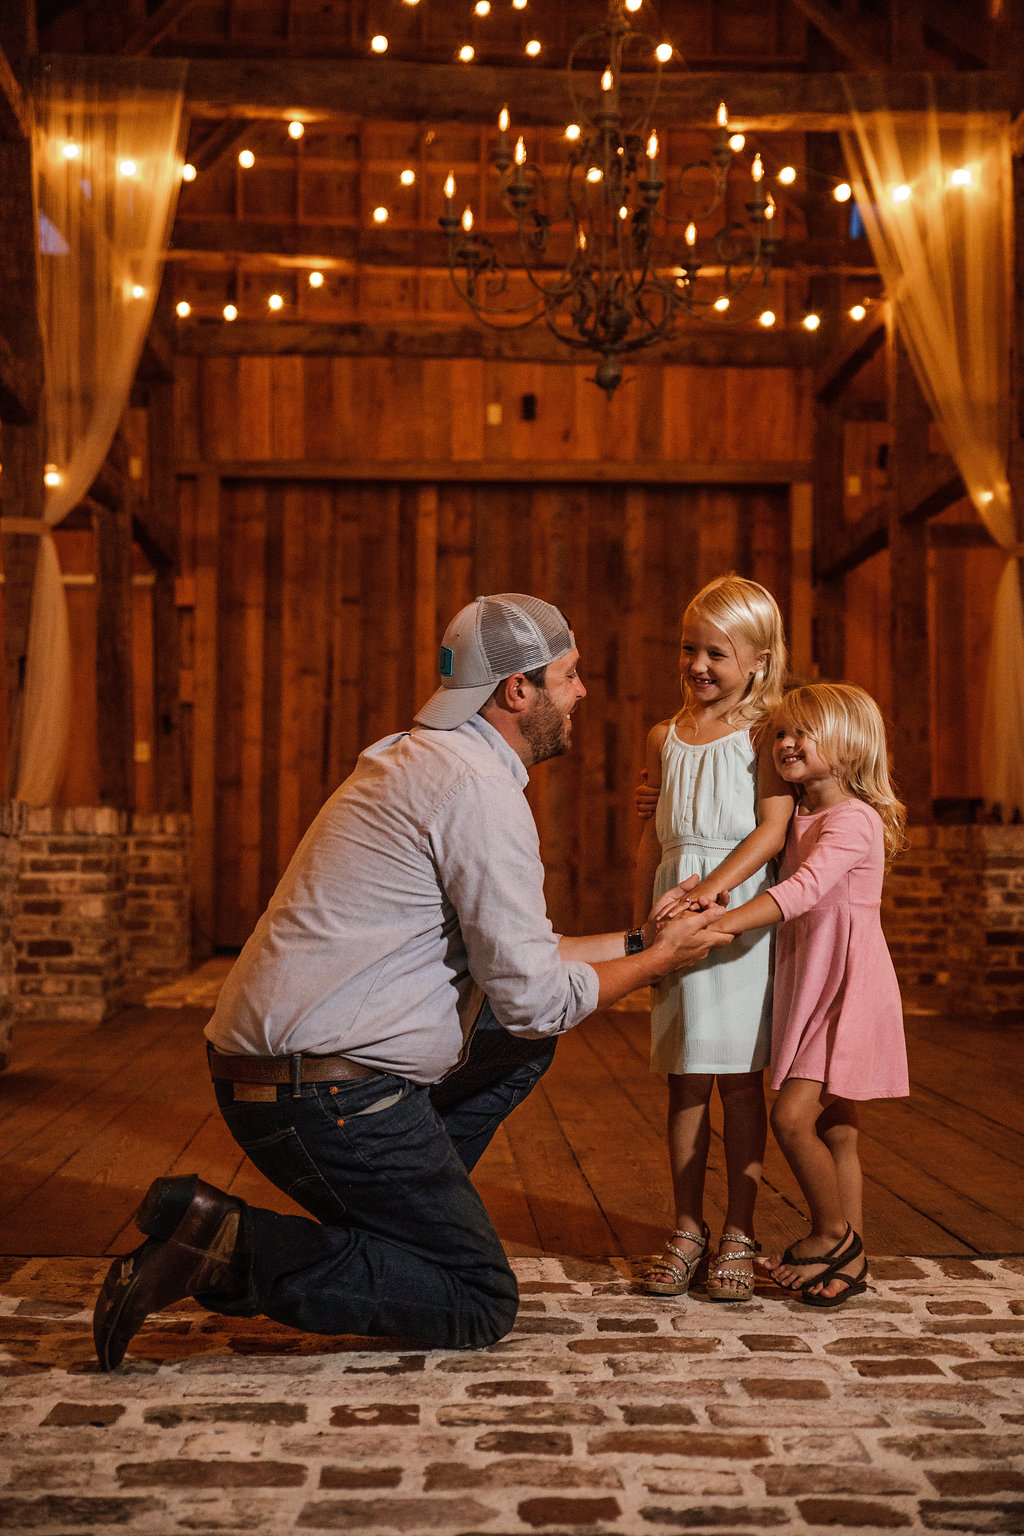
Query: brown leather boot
[{"x": 195, "y": 1246}]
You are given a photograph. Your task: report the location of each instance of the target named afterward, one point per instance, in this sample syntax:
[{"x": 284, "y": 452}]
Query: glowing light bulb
[
  {"x": 230, "y": 312},
  {"x": 188, "y": 173},
  {"x": 766, "y": 318},
  {"x": 595, "y": 173},
  {"x": 607, "y": 80},
  {"x": 51, "y": 475},
  {"x": 182, "y": 308},
  {"x": 71, "y": 151},
  {"x": 379, "y": 44},
  {"x": 503, "y": 120},
  {"x": 247, "y": 159},
  {"x": 811, "y": 322},
  {"x": 900, "y": 193},
  {"x": 519, "y": 153},
  {"x": 986, "y": 497},
  {"x": 407, "y": 178},
  {"x": 736, "y": 142},
  {"x": 623, "y": 212},
  {"x": 769, "y": 207},
  {"x": 138, "y": 291},
  {"x": 483, "y": 7},
  {"x": 652, "y": 147},
  {"x": 722, "y": 305},
  {"x": 633, "y": 5},
  {"x": 722, "y": 116},
  {"x": 843, "y": 192},
  {"x": 316, "y": 279},
  {"x": 663, "y": 52},
  {"x": 757, "y": 170},
  {"x": 467, "y": 220},
  {"x": 276, "y": 301},
  {"x": 691, "y": 234},
  {"x": 533, "y": 48},
  {"x": 572, "y": 132},
  {"x": 519, "y": 5},
  {"x": 449, "y": 187},
  {"x": 296, "y": 129},
  {"x": 857, "y": 312},
  {"x": 127, "y": 168},
  {"x": 466, "y": 53},
  {"x": 581, "y": 241},
  {"x": 961, "y": 177},
  {"x": 787, "y": 175},
  {"x": 380, "y": 215}
]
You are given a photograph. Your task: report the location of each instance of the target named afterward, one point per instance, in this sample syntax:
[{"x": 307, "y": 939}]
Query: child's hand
[
  {"x": 707, "y": 894},
  {"x": 646, "y": 798}
]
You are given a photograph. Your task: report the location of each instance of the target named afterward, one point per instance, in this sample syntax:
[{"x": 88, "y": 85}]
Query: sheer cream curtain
[
  {"x": 936, "y": 198},
  {"x": 106, "y": 154}
]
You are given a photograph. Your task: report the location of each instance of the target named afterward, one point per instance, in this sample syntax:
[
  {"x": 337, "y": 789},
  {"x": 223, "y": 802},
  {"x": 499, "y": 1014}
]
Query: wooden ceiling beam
[
  {"x": 842, "y": 32},
  {"x": 227, "y": 241},
  {"x": 268, "y": 338},
  {"x": 405, "y": 92},
  {"x": 14, "y": 112},
  {"x": 839, "y": 370},
  {"x": 155, "y": 26}
]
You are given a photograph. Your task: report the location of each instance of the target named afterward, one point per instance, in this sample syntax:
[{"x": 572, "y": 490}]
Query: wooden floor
[{"x": 89, "y": 1115}]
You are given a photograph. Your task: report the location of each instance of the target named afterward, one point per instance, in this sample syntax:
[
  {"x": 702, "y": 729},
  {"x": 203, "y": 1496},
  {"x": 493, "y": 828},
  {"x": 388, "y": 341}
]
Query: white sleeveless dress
[{"x": 716, "y": 1015}]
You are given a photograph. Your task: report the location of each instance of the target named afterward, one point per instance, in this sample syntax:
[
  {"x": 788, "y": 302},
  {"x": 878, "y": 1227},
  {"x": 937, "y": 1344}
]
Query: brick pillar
[
  {"x": 157, "y": 896},
  {"x": 953, "y": 913},
  {"x": 10, "y": 827},
  {"x": 69, "y": 914}
]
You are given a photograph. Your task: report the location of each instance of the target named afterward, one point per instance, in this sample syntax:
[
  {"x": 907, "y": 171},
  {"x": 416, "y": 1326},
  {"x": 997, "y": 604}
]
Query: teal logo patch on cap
[{"x": 447, "y": 661}]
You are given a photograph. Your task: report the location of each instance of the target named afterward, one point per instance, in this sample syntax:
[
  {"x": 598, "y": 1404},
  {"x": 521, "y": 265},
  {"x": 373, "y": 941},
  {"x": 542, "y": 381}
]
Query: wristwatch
[{"x": 634, "y": 941}]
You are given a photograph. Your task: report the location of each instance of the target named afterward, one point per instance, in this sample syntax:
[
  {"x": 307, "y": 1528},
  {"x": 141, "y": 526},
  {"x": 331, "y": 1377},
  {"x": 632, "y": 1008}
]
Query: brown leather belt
[{"x": 295, "y": 1069}]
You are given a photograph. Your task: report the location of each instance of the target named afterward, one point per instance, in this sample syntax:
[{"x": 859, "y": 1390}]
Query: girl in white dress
[{"x": 722, "y": 814}]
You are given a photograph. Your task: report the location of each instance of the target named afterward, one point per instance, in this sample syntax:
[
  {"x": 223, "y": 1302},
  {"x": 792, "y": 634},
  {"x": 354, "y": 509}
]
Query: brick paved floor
[{"x": 602, "y": 1412}]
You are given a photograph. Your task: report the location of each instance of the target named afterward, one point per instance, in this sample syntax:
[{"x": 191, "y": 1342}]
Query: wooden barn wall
[{"x": 320, "y": 622}]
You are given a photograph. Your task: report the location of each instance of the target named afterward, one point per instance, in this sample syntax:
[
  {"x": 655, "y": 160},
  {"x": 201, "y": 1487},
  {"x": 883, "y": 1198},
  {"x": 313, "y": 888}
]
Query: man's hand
[{"x": 683, "y": 940}]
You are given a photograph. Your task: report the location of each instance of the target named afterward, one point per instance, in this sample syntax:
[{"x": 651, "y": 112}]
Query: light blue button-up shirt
[{"x": 420, "y": 877}]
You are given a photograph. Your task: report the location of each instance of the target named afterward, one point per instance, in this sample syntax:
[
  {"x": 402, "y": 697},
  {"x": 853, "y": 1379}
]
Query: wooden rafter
[
  {"x": 842, "y": 32},
  {"x": 14, "y": 114},
  {"x": 230, "y": 240},
  {"x": 218, "y": 142},
  {"x": 267, "y": 338},
  {"x": 156, "y": 26},
  {"x": 404, "y": 92},
  {"x": 843, "y": 366}
]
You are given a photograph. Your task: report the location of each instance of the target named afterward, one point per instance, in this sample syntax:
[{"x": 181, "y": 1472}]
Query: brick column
[
  {"x": 157, "y": 896},
  {"x": 68, "y": 914},
  {"x": 10, "y": 827},
  {"x": 953, "y": 913}
]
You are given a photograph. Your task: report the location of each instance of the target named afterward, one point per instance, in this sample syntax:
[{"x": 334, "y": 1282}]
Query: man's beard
[{"x": 545, "y": 729}]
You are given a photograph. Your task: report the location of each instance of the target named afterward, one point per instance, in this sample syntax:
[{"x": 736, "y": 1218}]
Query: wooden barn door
[{"x": 330, "y": 602}]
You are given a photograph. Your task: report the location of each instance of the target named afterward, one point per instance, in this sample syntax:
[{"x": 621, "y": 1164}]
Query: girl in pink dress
[{"x": 837, "y": 1021}]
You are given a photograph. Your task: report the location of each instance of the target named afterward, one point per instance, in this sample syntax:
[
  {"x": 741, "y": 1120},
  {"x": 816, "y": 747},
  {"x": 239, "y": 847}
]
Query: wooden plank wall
[{"x": 330, "y": 604}]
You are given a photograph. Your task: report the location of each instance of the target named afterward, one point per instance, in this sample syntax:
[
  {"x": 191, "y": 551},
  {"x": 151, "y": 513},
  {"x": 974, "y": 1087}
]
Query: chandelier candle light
[{"x": 612, "y": 293}]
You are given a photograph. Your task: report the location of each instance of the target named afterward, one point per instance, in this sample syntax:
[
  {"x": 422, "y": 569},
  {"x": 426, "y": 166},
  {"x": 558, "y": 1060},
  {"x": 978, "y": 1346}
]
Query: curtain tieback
[{"x": 36, "y": 525}]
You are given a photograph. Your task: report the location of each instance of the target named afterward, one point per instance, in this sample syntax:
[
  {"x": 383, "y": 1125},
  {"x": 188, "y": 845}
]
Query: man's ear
[{"x": 512, "y": 694}]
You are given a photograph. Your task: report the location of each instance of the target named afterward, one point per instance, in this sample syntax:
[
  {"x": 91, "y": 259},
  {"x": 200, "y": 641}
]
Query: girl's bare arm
[{"x": 648, "y": 855}]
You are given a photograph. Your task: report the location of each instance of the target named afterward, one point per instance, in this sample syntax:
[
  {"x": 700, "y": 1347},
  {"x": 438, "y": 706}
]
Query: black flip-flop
[
  {"x": 852, "y": 1286},
  {"x": 789, "y": 1257}
]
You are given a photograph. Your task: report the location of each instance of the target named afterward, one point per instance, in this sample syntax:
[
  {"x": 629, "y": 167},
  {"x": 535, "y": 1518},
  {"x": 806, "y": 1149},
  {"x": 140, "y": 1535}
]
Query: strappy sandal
[
  {"x": 682, "y": 1266},
  {"x": 848, "y": 1248},
  {"x": 743, "y": 1290}
]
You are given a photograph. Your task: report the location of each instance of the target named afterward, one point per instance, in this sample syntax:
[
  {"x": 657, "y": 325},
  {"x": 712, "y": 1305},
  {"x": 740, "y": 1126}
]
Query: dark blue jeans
[{"x": 402, "y": 1243}]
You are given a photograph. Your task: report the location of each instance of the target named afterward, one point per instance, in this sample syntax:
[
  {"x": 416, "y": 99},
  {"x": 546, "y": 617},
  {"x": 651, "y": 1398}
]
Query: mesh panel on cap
[{"x": 519, "y": 632}]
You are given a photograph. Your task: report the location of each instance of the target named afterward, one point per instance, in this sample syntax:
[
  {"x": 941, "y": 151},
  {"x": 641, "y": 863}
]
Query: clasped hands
[{"x": 690, "y": 895}]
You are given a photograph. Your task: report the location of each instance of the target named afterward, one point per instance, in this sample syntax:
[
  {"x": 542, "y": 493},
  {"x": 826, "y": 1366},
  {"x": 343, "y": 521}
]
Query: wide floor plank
[{"x": 89, "y": 1115}]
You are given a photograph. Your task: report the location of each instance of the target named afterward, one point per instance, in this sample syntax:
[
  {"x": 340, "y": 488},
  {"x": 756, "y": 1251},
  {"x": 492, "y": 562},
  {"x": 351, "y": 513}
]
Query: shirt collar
[{"x": 497, "y": 743}]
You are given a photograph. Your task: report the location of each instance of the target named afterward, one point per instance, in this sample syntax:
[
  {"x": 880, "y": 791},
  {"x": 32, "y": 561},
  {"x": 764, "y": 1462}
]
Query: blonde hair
[
  {"x": 746, "y": 610},
  {"x": 847, "y": 725}
]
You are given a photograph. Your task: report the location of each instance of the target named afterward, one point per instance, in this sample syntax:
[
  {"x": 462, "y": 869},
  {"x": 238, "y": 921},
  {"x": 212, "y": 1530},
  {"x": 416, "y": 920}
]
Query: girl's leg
[
  {"x": 745, "y": 1132},
  {"x": 794, "y": 1117},
  {"x": 689, "y": 1138},
  {"x": 838, "y": 1127}
]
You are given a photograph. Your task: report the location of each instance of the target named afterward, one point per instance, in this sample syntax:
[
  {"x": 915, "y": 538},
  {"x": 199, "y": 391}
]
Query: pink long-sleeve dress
[{"x": 837, "y": 1016}]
